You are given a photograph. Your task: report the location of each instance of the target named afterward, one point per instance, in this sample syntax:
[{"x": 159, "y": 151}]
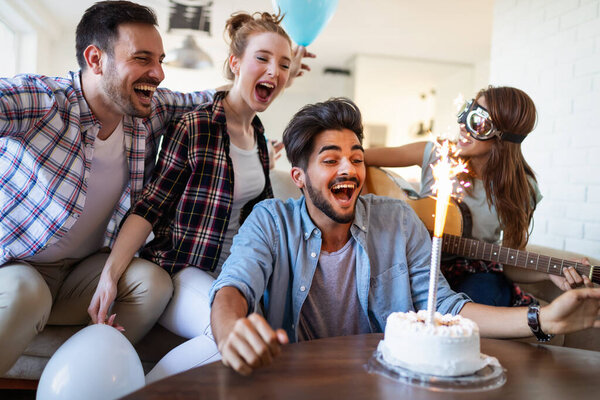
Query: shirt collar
[
  {"x": 87, "y": 119},
  {"x": 361, "y": 218}
]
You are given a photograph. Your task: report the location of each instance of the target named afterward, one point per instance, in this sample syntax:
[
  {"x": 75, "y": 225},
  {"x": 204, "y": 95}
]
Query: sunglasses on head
[{"x": 478, "y": 124}]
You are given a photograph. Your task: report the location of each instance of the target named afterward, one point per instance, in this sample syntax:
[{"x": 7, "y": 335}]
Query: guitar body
[
  {"x": 386, "y": 183},
  {"x": 425, "y": 209}
]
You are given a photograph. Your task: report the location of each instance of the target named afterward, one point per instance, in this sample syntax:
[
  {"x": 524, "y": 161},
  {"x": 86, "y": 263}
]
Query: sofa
[{"x": 28, "y": 368}]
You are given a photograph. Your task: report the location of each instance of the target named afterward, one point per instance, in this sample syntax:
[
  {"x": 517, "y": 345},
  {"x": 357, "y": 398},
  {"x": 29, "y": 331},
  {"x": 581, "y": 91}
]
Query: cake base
[{"x": 490, "y": 376}]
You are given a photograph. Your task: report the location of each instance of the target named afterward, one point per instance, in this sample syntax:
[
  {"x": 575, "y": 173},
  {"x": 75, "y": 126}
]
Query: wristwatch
[{"x": 533, "y": 320}]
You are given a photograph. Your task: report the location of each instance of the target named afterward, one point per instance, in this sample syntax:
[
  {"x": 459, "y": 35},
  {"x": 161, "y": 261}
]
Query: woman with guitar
[{"x": 501, "y": 192}]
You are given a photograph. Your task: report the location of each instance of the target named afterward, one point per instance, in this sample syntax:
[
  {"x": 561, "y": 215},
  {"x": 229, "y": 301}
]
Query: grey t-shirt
[
  {"x": 486, "y": 224},
  {"x": 332, "y": 307}
]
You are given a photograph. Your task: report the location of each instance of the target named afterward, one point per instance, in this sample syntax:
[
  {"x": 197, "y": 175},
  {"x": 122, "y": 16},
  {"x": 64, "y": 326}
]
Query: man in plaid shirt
[{"x": 74, "y": 155}]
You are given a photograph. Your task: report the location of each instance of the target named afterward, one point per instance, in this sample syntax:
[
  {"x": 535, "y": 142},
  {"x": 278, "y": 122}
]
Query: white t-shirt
[
  {"x": 109, "y": 174},
  {"x": 248, "y": 183}
]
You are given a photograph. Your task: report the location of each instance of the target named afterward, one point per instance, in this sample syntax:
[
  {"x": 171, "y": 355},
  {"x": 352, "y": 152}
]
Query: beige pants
[{"x": 33, "y": 295}]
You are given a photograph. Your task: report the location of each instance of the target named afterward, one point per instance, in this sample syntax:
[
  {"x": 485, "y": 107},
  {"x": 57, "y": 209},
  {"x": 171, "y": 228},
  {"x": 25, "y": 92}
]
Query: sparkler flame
[{"x": 444, "y": 171}]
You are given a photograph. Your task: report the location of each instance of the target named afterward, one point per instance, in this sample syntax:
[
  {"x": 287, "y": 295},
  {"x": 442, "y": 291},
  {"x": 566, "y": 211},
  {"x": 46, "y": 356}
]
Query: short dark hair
[
  {"x": 100, "y": 23},
  {"x": 334, "y": 114}
]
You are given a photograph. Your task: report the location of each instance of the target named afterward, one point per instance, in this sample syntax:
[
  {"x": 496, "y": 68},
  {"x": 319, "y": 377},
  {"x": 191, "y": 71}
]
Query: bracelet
[{"x": 533, "y": 320}]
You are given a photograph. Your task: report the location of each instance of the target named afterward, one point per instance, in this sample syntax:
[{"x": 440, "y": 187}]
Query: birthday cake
[{"x": 448, "y": 347}]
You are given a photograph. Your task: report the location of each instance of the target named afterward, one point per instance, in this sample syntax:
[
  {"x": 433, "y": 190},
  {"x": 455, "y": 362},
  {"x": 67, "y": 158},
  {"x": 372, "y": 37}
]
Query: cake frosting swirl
[{"x": 448, "y": 347}]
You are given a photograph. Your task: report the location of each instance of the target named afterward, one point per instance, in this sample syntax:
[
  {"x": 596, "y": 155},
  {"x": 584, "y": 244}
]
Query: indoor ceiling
[{"x": 457, "y": 31}]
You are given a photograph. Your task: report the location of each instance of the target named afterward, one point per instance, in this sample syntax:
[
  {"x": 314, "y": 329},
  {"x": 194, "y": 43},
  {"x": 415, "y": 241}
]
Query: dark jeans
[{"x": 492, "y": 289}]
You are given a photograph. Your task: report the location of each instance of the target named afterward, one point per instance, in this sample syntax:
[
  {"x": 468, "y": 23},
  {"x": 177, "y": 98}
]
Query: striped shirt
[
  {"x": 190, "y": 197},
  {"x": 47, "y": 134}
]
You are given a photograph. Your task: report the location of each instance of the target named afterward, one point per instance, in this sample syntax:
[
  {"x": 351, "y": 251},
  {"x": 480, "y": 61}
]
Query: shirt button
[
  {"x": 306, "y": 235},
  {"x": 313, "y": 254},
  {"x": 302, "y": 288}
]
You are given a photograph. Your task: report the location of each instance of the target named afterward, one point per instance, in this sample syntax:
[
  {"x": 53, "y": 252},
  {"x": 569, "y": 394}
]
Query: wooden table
[{"x": 334, "y": 368}]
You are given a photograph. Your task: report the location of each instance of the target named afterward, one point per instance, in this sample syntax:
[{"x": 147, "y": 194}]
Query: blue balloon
[{"x": 305, "y": 19}]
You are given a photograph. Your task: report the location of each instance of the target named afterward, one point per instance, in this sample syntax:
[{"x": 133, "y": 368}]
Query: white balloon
[{"x": 98, "y": 362}]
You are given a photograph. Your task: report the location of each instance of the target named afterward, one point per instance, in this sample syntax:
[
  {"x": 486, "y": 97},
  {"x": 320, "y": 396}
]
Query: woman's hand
[
  {"x": 105, "y": 295},
  {"x": 572, "y": 279},
  {"x": 297, "y": 67},
  {"x": 275, "y": 147}
]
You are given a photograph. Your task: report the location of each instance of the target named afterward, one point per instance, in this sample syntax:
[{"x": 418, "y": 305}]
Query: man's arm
[
  {"x": 245, "y": 339},
  {"x": 245, "y": 343},
  {"x": 572, "y": 311},
  {"x": 170, "y": 105}
]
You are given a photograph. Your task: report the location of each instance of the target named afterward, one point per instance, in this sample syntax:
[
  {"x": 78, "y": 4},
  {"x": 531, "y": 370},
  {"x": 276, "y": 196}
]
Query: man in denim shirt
[{"x": 335, "y": 263}]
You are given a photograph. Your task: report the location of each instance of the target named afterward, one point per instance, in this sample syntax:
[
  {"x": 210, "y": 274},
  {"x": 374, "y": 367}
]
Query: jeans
[
  {"x": 188, "y": 315},
  {"x": 489, "y": 288}
]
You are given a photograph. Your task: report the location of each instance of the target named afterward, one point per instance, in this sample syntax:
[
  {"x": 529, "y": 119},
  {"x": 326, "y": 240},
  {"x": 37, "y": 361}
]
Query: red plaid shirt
[{"x": 189, "y": 199}]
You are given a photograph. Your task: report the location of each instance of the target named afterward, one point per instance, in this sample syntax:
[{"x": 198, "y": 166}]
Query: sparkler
[{"x": 444, "y": 171}]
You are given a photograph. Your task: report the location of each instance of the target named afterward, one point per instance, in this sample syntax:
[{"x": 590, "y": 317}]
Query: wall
[
  {"x": 37, "y": 38},
  {"x": 551, "y": 49},
  {"x": 388, "y": 92}
]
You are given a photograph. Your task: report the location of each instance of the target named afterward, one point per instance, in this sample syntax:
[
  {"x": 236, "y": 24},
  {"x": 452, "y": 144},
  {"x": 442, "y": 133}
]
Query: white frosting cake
[{"x": 449, "y": 347}]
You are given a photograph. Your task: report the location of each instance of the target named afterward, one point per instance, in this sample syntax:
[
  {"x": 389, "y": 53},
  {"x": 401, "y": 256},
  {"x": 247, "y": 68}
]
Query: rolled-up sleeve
[{"x": 250, "y": 265}]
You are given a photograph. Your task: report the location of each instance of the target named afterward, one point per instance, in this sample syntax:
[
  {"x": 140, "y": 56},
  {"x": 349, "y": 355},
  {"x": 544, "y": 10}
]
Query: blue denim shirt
[{"x": 275, "y": 254}]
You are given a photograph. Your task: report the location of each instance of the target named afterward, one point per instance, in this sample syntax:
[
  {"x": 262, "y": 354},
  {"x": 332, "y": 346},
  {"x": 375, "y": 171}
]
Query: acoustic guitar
[{"x": 458, "y": 225}]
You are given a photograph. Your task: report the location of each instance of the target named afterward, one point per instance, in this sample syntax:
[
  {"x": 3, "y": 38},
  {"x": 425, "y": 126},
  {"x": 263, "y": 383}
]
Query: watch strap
[{"x": 533, "y": 320}]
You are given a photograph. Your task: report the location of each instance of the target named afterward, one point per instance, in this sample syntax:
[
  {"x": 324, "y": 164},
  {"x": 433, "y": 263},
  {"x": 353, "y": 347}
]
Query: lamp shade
[{"x": 189, "y": 55}]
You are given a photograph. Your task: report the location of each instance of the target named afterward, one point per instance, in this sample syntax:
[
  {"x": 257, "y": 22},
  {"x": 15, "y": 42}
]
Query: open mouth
[
  {"x": 343, "y": 192},
  {"x": 144, "y": 92},
  {"x": 464, "y": 140},
  {"x": 264, "y": 90}
]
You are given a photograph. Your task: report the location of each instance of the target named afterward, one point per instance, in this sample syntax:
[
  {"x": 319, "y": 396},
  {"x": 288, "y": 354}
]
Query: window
[{"x": 8, "y": 51}]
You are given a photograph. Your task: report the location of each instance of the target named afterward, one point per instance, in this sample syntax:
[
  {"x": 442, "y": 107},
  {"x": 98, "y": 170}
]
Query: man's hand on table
[
  {"x": 572, "y": 311},
  {"x": 251, "y": 343}
]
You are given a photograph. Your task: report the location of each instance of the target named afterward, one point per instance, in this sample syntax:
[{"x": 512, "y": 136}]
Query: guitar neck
[{"x": 479, "y": 250}]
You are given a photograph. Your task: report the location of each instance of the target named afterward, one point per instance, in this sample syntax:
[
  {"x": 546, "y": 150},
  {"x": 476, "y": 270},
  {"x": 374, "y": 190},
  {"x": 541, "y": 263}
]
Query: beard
[
  {"x": 325, "y": 207},
  {"x": 114, "y": 89}
]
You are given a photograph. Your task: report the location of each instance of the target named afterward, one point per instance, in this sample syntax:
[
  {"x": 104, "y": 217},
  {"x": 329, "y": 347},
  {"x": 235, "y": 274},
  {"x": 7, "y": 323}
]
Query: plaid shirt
[
  {"x": 189, "y": 199},
  {"x": 47, "y": 134}
]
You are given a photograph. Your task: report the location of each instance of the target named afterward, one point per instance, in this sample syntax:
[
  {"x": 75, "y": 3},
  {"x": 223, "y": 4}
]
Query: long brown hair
[
  {"x": 506, "y": 176},
  {"x": 241, "y": 25}
]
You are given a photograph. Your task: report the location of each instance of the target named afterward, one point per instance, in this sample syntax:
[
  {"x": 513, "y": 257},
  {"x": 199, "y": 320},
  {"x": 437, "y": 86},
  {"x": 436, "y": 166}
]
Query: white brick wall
[{"x": 551, "y": 49}]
